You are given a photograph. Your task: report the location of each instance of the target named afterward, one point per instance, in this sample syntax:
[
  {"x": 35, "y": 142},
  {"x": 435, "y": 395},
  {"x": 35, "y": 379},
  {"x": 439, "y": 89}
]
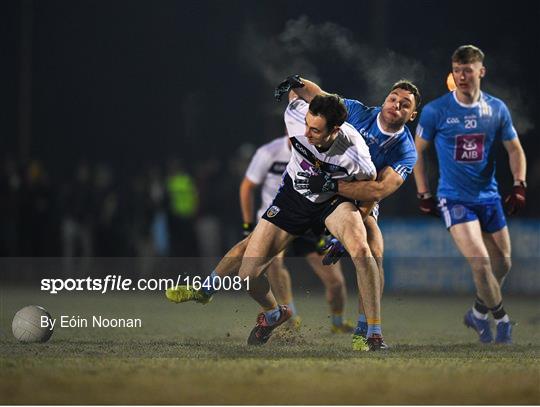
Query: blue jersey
[
  {"x": 464, "y": 136},
  {"x": 395, "y": 150}
]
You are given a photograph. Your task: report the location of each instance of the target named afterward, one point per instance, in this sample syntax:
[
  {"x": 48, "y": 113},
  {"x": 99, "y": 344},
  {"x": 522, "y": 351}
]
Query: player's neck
[
  {"x": 325, "y": 145},
  {"x": 468, "y": 98},
  {"x": 388, "y": 128}
]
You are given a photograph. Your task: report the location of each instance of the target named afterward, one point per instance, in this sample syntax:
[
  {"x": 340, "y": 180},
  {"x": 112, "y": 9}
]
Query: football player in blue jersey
[
  {"x": 465, "y": 125},
  {"x": 392, "y": 150}
]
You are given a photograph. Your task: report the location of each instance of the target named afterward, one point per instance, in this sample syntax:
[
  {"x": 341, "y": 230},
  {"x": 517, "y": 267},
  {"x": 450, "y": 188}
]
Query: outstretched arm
[{"x": 309, "y": 90}]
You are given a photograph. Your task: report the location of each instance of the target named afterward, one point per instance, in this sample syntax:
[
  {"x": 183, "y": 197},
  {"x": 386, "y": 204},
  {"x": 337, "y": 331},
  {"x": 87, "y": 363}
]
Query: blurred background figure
[{"x": 183, "y": 205}]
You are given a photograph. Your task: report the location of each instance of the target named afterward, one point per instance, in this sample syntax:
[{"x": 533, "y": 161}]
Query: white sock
[
  {"x": 503, "y": 319},
  {"x": 479, "y": 315}
]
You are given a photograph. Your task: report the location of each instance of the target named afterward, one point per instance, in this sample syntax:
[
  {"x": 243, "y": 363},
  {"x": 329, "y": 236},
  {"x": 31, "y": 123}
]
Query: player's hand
[
  {"x": 335, "y": 251},
  {"x": 315, "y": 183},
  {"x": 428, "y": 205},
  {"x": 291, "y": 82},
  {"x": 516, "y": 200},
  {"x": 247, "y": 228}
]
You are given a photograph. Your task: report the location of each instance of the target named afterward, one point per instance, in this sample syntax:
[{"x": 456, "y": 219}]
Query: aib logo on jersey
[{"x": 469, "y": 148}]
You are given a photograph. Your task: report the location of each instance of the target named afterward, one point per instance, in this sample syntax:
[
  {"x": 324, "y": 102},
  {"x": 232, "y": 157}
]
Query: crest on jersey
[
  {"x": 272, "y": 211},
  {"x": 469, "y": 148}
]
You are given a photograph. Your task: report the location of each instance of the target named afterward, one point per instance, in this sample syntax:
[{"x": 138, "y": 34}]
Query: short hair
[
  {"x": 467, "y": 54},
  {"x": 407, "y": 85},
  {"x": 331, "y": 107}
]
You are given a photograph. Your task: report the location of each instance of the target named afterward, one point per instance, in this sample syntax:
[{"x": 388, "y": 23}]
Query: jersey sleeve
[
  {"x": 356, "y": 111},
  {"x": 508, "y": 132},
  {"x": 295, "y": 117},
  {"x": 258, "y": 167},
  {"x": 427, "y": 125},
  {"x": 405, "y": 164}
]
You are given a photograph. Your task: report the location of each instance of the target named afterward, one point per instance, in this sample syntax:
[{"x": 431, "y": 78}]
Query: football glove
[
  {"x": 516, "y": 200},
  {"x": 315, "y": 183},
  {"x": 428, "y": 205},
  {"x": 335, "y": 252},
  {"x": 291, "y": 82}
]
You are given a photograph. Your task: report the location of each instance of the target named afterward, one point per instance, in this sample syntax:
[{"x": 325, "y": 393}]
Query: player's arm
[
  {"x": 309, "y": 90},
  {"x": 247, "y": 194},
  {"x": 518, "y": 167},
  {"x": 428, "y": 205},
  {"x": 366, "y": 208},
  {"x": 299, "y": 87},
  {"x": 516, "y": 157},
  {"x": 387, "y": 182}
]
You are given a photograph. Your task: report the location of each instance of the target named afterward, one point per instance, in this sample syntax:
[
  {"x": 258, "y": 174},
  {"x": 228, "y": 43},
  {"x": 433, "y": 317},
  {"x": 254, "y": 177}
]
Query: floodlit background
[{"x": 127, "y": 125}]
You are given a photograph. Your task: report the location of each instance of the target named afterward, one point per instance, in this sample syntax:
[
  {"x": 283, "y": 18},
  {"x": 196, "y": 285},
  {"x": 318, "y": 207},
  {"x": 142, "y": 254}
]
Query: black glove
[
  {"x": 247, "y": 228},
  {"x": 335, "y": 251},
  {"x": 315, "y": 183},
  {"x": 291, "y": 82},
  {"x": 516, "y": 200},
  {"x": 428, "y": 205}
]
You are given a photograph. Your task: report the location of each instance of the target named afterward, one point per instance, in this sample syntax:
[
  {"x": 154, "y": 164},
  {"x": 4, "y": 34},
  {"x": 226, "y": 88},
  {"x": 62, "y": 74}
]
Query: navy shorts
[
  {"x": 306, "y": 244},
  {"x": 489, "y": 214},
  {"x": 296, "y": 214}
]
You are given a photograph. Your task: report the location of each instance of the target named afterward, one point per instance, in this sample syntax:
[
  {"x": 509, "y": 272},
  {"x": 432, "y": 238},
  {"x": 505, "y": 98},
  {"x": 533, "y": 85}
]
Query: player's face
[
  {"x": 316, "y": 131},
  {"x": 398, "y": 108},
  {"x": 468, "y": 76}
]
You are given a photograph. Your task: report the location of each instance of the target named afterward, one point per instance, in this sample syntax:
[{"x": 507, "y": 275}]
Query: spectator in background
[{"x": 183, "y": 204}]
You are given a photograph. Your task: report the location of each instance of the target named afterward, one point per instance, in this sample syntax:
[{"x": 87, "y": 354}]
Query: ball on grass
[{"x": 32, "y": 324}]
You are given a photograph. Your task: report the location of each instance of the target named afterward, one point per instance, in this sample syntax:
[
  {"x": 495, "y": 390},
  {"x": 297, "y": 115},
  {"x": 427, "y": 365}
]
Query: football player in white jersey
[
  {"x": 266, "y": 171},
  {"x": 322, "y": 144}
]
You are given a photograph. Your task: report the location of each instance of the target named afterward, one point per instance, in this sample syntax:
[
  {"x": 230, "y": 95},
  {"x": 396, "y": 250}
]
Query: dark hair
[
  {"x": 467, "y": 54},
  {"x": 407, "y": 85},
  {"x": 331, "y": 107}
]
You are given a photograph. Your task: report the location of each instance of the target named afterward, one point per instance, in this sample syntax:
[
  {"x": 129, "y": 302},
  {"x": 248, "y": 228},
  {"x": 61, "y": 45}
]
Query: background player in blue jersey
[
  {"x": 465, "y": 125},
  {"x": 392, "y": 150}
]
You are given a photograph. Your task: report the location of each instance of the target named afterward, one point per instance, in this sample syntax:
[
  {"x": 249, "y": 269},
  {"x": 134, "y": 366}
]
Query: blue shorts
[{"x": 489, "y": 214}]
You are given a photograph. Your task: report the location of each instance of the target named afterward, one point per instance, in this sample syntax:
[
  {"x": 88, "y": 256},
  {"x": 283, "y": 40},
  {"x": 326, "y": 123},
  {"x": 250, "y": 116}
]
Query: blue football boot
[
  {"x": 481, "y": 326},
  {"x": 504, "y": 333}
]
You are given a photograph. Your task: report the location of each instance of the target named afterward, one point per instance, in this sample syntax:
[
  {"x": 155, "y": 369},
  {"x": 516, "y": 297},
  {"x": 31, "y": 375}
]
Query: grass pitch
[{"x": 195, "y": 354}]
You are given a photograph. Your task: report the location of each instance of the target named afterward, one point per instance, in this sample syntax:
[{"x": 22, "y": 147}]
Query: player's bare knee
[
  {"x": 506, "y": 265},
  {"x": 360, "y": 251},
  {"x": 482, "y": 273}
]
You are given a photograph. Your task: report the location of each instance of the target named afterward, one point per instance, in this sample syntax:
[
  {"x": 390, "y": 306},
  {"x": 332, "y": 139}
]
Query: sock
[
  {"x": 480, "y": 306},
  {"x": 337, "y": 319},
  {"x": 374, "y": 327},
  {"x": 272, "y": 315},
  {"x": 210, "y": 289},
  {"x": 362, "y": 326},
  {"x": 479, "y": 315},
  {"x": 499, "y": 314},
  {"x": 292, "y": 307}
]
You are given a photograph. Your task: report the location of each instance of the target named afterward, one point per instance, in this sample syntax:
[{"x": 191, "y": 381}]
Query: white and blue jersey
[
  {"x": 464, "y": 136},
  {"x": 395, "y": 150}
]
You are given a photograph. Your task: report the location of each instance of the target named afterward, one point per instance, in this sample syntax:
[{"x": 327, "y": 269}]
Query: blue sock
[
  {"x": 362, "y": 326},
  {"x": 210, "y": 290},
  {"x": 337, "y": 319},
  {"x": 292, "y": 307},
  {"x": 374, "y": 329},
  {"x": 272, "y": 316}
]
